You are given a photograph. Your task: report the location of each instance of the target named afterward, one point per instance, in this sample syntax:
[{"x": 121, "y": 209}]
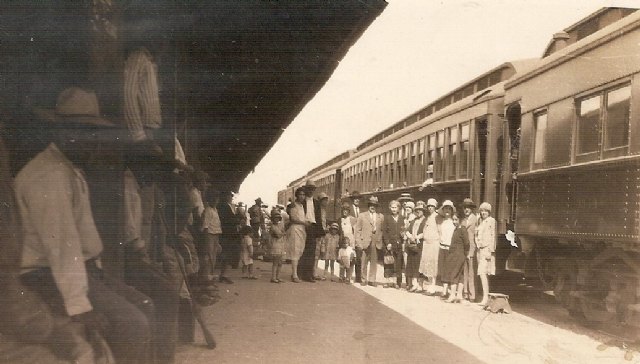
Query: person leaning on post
[{"x": 62, "y": 247}]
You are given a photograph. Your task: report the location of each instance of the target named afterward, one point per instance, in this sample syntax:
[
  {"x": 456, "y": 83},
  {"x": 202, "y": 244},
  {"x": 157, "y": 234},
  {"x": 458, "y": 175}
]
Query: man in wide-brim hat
[
  {"x": 314, "y": 229},
  {"x": 63, "y": 223}
]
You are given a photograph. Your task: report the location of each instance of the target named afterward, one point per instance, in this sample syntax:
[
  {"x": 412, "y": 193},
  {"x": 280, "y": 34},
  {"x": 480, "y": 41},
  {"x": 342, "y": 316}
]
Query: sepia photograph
[{"x": 319, "y": 181}]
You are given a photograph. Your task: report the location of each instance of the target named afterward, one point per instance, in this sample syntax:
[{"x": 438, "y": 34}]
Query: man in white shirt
[{"x": 61, "y": 251}]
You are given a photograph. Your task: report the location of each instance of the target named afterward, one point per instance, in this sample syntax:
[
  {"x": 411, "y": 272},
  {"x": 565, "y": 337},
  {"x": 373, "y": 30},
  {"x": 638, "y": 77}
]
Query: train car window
[
  {"x": 421, "y": 152},
  {"x": 432, "y": 148},
  {"x": 540, "y": 121},
  {"x": 617, "y": 121},
  {"x": 453, "y": 152},
  {"x": 464, "y": 150},
  {"x": 440, "y": 157},
  {"x": 589, "y": 125}
]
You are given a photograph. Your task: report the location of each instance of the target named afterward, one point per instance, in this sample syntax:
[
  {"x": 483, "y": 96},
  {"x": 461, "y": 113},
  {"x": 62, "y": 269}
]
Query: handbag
[
  {"x": 389, "y": 259},
  {"x": 412, "y": 248}
]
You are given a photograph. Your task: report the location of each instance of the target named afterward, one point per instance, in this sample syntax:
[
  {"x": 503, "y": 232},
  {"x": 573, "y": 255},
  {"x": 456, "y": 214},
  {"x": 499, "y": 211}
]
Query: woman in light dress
[
  {"x": 431, "y": 246},
  {"x": 486, "y": 249},
  {"x": 296, "y": 233}
]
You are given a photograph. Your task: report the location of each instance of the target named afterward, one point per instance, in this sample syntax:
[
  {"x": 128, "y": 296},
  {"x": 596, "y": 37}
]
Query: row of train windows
[
  {"x": 601, "y": 131},
  {"x": 447, "y": 155}
]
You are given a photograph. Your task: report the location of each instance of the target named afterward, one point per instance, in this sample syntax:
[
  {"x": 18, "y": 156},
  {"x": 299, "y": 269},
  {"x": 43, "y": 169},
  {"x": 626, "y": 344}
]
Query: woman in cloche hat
[
  {"x": 486, "y": 243},
  {"x": 414, "y": 246},
  {"x": 431, "y": 248}
]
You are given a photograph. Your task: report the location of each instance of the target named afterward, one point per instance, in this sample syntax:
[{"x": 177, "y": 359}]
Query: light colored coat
[
  {"x": 486, "y": 234},
  {"x": 364, "y": 230}
]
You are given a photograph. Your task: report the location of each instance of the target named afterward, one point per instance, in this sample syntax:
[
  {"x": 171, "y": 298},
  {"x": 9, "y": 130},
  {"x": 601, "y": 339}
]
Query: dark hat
[
  {"x": 78, "y": 106},
  {"x": 355, "y": 194},
  {"x": 467, "y": 202},
  {"x": 420, "y": 205},
  {"x": 258, "y": 200}
]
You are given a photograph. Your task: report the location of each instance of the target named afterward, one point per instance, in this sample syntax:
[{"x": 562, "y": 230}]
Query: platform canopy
[{"x": 233, "y": 74}]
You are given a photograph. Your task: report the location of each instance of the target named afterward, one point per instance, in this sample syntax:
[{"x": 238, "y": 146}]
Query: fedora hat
[
  {"x": 467, "y": 202},
  {"x": 373, "y": 200},
  {"x": 310, "y": 184},
  {"x": 77, "y": 106}
]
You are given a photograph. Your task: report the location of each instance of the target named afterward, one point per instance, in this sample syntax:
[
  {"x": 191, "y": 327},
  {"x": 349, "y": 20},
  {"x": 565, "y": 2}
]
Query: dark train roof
[{"x": 233, "y": 74}]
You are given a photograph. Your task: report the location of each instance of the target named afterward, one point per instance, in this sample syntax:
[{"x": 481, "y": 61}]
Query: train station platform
[{"x": 257, "y": 321}]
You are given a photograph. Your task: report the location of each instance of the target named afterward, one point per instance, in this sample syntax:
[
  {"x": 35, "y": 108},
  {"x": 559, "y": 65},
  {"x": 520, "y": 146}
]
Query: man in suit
[
  {"x": 354, "y": 210},
  {"x": 368, "y": 234},
  {"x": 392, "y": 231},
  {"x": 229, "y": 239},
  {"x": 306, "y": 267}
]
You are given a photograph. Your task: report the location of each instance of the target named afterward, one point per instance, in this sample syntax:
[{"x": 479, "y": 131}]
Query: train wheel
[
  {"x": 566, "y": 284},
  {"x": 547, "y": 269}
]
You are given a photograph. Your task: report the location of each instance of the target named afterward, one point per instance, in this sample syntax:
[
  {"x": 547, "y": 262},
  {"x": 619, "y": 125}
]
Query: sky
[{"x": 413, "y": 53}]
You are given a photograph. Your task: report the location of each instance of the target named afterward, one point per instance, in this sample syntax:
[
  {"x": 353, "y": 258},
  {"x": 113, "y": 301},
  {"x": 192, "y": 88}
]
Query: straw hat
[
  {"x": 78, "y": 106},
  {"x": 405, "y": 197}
]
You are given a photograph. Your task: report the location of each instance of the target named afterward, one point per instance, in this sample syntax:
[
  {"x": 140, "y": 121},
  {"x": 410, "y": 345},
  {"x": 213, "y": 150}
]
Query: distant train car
[
  {"x": 573, "y": 131},
  {"x": 451, "y": 149}
]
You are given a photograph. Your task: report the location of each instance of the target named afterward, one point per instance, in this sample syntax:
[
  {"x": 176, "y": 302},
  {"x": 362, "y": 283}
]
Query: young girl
[
  {"x": 346, "y": 255},
  {"x": 246, "y": 252},
  {"x": 277, "y": 244},
  {"x": 330, "y": 243}
]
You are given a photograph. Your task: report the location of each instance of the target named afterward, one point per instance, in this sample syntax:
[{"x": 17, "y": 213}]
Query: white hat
[
  {"x": 485, "y": 206},
  {"x": 432, "y": 202}
]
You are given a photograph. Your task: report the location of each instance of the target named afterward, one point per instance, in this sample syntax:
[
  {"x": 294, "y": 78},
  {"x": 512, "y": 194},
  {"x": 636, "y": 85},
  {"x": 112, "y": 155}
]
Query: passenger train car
[
  {"x": 553, "y": 144},
  {"x": 577, "y": 201}
]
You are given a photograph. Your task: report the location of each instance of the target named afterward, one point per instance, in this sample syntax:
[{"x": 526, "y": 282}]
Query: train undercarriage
[{"x": 596, "y": 280}]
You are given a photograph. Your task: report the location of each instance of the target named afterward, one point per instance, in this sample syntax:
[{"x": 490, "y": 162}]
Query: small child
[
  {"x": 346, "y": 255},
  {"x": 246, "y": 252},
  {"x": 389, "y": 266},
  {"x": 277, "y": 234},
  {"x": 330, "y": 243}
]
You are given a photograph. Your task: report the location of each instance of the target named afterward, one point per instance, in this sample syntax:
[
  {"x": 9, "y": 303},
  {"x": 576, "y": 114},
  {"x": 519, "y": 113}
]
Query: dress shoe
[{"x": 226, "y": 280}]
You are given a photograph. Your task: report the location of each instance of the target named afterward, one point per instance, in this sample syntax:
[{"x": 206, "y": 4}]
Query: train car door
[
  {"x": 481, "y": 159},
  {"x": 512, "y": 138}
]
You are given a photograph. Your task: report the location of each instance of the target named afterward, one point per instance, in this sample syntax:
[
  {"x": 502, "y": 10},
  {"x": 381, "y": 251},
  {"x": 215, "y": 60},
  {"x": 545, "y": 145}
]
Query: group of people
[
  {"x": 429, "y": 244},
  {"x": 60, "y": 302}
]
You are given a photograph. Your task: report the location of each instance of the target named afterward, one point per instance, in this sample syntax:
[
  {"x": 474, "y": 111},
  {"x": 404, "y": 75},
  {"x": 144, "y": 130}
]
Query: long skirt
[
  {"x": 430, "y": 255},
  {"x": 453, "y": 267},
  {"x": 295, "y": 243},
  {"x": 412, "y": 270}
]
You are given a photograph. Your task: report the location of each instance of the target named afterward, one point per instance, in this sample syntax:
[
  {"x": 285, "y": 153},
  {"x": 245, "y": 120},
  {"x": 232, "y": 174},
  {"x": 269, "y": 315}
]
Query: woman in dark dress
[
  {"x": 414, "y": 247},
  {"x": 453, "y": 270}
]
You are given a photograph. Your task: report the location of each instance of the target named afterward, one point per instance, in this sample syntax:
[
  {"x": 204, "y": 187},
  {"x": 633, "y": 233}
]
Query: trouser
[
  {"x": 208, "y": 255},
  {"x": 306, "y": 268},
  {"x": 370, "y": 256},
  {"x": 358, "y": 265},
  {"x": 164, "y": 290},
  {"x": 16, "y": 352},
  {"x": 128, "y": 312},
  {"x": 469, "y": 278}
]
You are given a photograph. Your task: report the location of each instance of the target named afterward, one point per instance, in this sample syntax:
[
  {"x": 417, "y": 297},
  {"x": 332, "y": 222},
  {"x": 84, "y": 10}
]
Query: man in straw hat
[
  {"x": 61, "y": 254},
  {"x": 368, "y": 234}
]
